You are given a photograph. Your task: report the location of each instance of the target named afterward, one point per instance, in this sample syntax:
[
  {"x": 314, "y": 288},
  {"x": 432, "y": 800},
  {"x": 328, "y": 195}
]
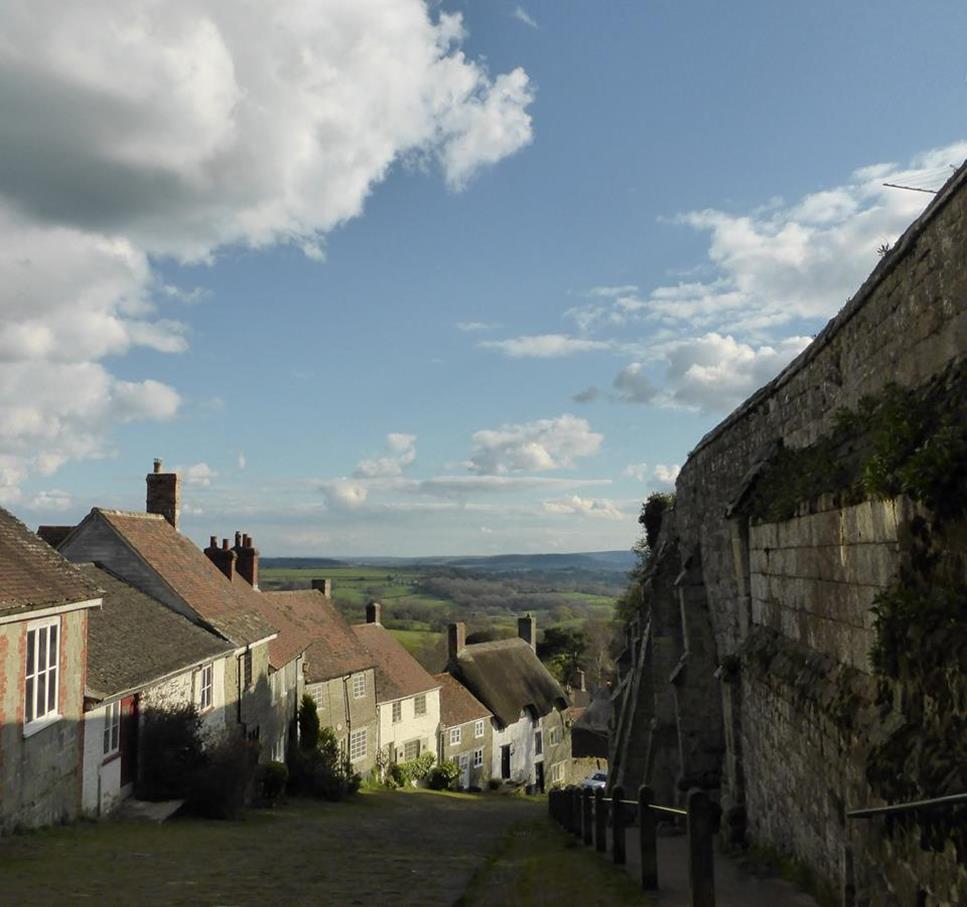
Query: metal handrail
[
  {"x": 655, "y": 806},
  {"x": 913, "y": 806}
]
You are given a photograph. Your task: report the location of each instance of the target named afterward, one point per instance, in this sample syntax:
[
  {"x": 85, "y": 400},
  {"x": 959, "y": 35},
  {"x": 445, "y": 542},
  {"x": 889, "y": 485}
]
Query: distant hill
[
  {"x": 307, "y": 563},
  {"x": 611, "y": 561}
]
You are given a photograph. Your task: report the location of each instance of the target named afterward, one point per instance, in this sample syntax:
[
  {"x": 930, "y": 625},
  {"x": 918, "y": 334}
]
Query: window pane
[
  {"x": 41, "y": 648},
  {"x": 31, "y": 645},
  {"x": 116, "y": 732},
  {"x": 29, "y": 701},
  {"x": 52, "y": 660},
  {"x": 52, "y": 690},
  {"x": 107, "y": 733}
]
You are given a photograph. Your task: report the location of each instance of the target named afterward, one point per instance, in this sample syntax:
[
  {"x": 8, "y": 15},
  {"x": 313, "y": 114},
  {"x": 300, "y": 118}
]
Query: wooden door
[{"x": 505, "y": 761}]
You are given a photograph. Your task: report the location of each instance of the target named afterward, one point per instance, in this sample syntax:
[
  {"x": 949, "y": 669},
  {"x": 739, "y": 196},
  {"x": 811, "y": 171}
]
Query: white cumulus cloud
[
  {"x": 544, "y": 346},
  {"x": 199, "y": 474},
  {"x": 533, "y": 446},
  {"x": 402, "y": 448},
  {"x": 602, "y": 508},
  {"x": 135, "y": 131}
]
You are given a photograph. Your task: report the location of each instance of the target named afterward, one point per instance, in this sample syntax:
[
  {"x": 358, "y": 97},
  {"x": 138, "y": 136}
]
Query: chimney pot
[
  {"x": 213, "y": 541},
  {"x": 223, "y": 558},
  {"x": 158, "y": 465},
  {"x": 527, "y": 630},
  {"x": 248, "y": 559},
  {"x": 374, "y": 613},
  {"x": 225, "y": 544},
  {"x": 164, "y": 494},
  {"x": 456, "y": 639},
  {"x": 324, "y": 586}
]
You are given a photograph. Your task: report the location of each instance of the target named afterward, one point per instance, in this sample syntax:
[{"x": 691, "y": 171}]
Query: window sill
[
  {"x": 111, "y": 757},
  {"x": 39, "y": 724}
]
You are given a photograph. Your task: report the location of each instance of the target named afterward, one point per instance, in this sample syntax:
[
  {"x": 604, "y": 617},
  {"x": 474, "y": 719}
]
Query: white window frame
[
  {"x": 478, "y": 728},
  {"x": 557, "y": 773},
  {"x": 463, "y": 761},
  {"x": 409, "y": 744},
  {"x": 397, "y": 712},
  {"x": 41, "y": 685},
  {"x": 358, "y": 745},
  {"x": 419, "y": 705},
  {"x": 554, "y": 736},
  {"x": 359, "y": 686},
  {"x": 206, "y": 685},
  {"x": 112, "y": 729},
  {"x": 478, "y": 758},
  {"x": 455, "y": 736}
]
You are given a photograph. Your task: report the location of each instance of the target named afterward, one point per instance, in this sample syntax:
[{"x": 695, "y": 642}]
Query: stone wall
[
  {"x": 40, "y": 783},
  {"x": 783, "y": 746}
]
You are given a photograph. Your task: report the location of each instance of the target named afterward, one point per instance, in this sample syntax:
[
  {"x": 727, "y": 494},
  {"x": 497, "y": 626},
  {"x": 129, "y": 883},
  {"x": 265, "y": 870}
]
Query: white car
[{"x": 595, "y": 781}]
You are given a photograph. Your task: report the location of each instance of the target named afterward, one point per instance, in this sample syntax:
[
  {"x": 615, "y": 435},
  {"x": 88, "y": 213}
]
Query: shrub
[
  {"x": 222, "y": 785},
  {"x": 494, "y": 783},
  {"x": 308, "y": 724},
  {"x": 171, "y": 752},
  {"x": 403, "y": 774},
  {"x": 272, "y": 779},
  {"x": 443, "y": 776},
  {"x": 324, "y": 771}
]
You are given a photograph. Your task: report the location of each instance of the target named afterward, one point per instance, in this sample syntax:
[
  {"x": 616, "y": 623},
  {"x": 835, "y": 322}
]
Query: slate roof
[
  {"x": 33, "y": 575},
  {"x": 233, "y": 609},
  {"x": 308, "y": 620},
  {"x": 398, "y": 674},
  {"x": 54, "y": 535},
  {"x": 508, "y": 677},
  {"x": 134, "y": 639},
  {"x": 457, "y": 704}
]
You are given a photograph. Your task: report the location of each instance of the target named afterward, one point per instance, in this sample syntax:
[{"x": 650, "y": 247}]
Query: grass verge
[{"x": 537, "y": 863}]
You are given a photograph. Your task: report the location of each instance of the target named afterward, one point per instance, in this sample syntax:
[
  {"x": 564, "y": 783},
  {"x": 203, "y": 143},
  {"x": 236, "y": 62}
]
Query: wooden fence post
[
  {"x": 701, "y": 862},
  {"x": 600, "y": 822},
  {"x": 586, "y": 820},
  {"x": 647, "y": 825},
  {"x": 618, "y": 826}
]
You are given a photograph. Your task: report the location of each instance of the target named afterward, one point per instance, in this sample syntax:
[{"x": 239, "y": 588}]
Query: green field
[{"x": 418, "y": 602}]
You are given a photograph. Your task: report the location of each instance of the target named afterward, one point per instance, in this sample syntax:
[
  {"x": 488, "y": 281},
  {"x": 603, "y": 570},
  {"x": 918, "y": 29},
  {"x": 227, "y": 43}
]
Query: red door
[{"x": 129, "y": 739}]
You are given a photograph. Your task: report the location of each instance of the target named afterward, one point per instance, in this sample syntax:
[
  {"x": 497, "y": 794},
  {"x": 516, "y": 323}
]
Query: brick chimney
[
  {"x": 224, "y": 558},
  {"x": 248, "y": 559},
  {"x": 373, "y": 612},
  {"x": 164, "y": 494},
  {"x": 527, "y": 630},
  {"x": 324, "y": 586},
  {"x": 456, "y": 640}
]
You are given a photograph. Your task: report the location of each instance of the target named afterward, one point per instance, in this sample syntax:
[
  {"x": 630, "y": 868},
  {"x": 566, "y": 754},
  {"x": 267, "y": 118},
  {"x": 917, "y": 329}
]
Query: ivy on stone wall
[{"x": 910, "y": 442}]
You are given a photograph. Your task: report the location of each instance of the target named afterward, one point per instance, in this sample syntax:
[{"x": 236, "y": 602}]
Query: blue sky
[{"x": 470, "y": 278}]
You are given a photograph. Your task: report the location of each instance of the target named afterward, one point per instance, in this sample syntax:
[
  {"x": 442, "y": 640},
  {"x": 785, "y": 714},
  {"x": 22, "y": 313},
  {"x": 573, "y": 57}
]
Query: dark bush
[
  {"x": 308, "y": 724},
  {"x": 443, "y": 776},
  {"x": 272, "y": 779},
  {"x": 170, "y": 751},
  {"x": 223, "y": 784}
]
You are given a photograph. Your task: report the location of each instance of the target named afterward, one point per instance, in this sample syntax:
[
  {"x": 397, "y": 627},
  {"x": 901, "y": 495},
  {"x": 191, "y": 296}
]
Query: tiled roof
[
  {"x": 507, "y": 676},
  {"x": 233, "y": 609},
  {"x": 308, "y": 620},
  {"x": 134, "y": 639},
  {"x": 398, "y": 674},
  {"x": 457, "y": 704},
  {"x": 32, "y": 574}
]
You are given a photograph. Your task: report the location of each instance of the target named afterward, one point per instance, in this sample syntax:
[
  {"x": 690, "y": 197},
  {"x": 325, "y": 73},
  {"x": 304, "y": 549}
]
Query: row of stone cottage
[{"x": 120, "y": 614}]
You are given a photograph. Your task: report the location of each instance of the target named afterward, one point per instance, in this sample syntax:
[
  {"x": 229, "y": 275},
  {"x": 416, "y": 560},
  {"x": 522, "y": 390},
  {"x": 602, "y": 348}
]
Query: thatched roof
[{"x": 508, "y": 677}]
